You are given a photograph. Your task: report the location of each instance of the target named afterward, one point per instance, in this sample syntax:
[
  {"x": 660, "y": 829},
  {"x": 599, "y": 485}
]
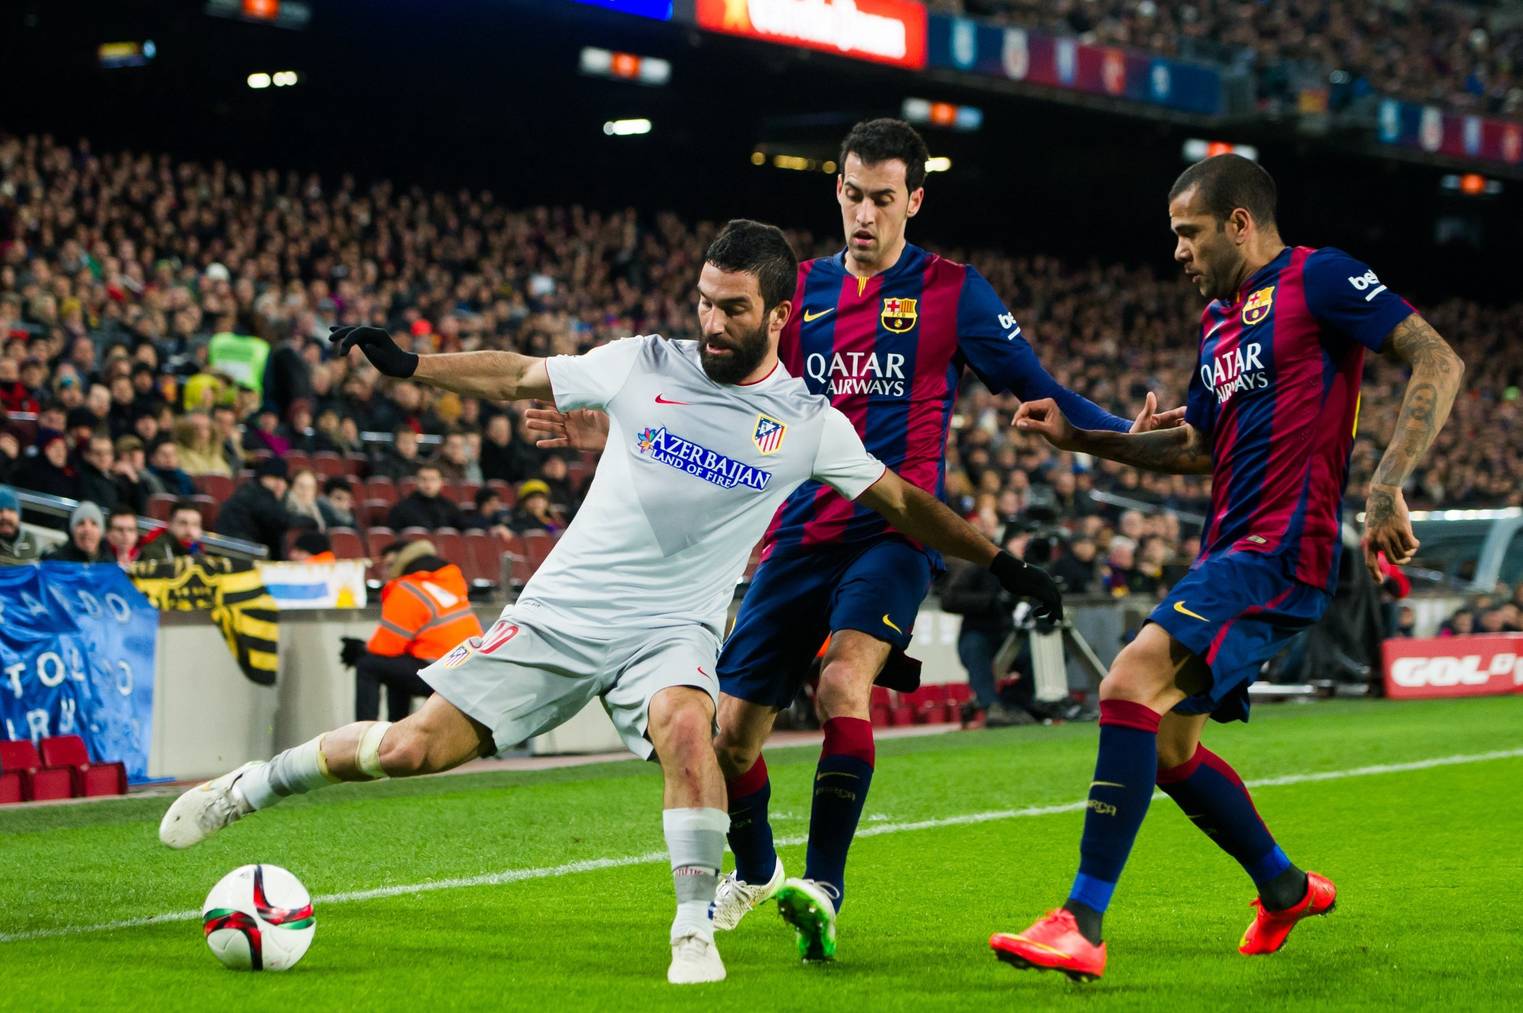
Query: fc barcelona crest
[
  {"x": 769, "y": 434},
  {"x": 898, "y": 315},
  {"x": 1258, "y": 305}
]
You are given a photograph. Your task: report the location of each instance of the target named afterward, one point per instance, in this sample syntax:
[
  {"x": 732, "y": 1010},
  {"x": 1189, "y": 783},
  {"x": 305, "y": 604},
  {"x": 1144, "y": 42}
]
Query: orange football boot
[
  {"x": 1053, "y": 943},
  {"x": 1270, "y": 929}
]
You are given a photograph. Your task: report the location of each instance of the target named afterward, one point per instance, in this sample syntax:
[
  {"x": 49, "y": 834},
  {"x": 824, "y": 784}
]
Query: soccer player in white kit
[{"x": 706, "y": 439}]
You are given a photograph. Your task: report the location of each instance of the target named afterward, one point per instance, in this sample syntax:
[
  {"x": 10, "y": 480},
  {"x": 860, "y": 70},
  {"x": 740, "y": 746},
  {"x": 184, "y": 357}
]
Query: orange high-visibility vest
[{"x": 424, "y": 614}]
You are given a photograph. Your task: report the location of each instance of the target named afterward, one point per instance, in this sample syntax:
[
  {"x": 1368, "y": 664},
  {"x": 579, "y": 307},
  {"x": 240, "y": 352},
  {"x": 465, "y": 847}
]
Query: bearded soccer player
[
  {"x": 884, "y": 329},
  {"x": 1271, "y": 415},
  {"x": 710, "y": 437}
]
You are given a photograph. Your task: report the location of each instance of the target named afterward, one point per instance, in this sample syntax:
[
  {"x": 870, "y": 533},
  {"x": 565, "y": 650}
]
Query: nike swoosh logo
[
  {"x": 1179, "y": 607},
  {"x": 890, "y": 624},
  {"x": 662, "y": 400},
  {"x": 703, "y": 673},
  {"x": 812, "y": 315},
  {"x": 1106, "y": 784}
]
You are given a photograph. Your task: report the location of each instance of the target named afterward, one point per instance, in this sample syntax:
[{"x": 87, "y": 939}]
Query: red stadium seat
[
  {"x": 218, "y": 487},
  {"x": 462, "y": 494},
  {"x": 159, "y": 505},
  {"x": 451, "y": 546},
  {"x": 537, "y": 546},
  {"x": 412, "y": 534},
  {"x": 10, "y": 787},
  {"x": 376, "y": 539},
  {"x": 405, "y": 486},
  {"x": 358, "y": 464},
  {"x": 346, "y": 543},
  {"x": 38, "y": 783},
  {"x": 67, "y": 752},
  {"x": 484, "y": 554},
  {"x": 381, "y": 488},
  {"x": 328, "y": 464},
  {"x": 297, "y": 460},
  {"x": 374, "y": 511}
]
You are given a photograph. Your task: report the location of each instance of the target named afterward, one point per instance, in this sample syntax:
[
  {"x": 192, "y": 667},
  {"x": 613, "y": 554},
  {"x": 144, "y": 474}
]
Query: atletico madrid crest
[
  {"x": 1258, "y": 305},
  {"x": 769, "y": 434},
  {"x": 898, "y": 315}
]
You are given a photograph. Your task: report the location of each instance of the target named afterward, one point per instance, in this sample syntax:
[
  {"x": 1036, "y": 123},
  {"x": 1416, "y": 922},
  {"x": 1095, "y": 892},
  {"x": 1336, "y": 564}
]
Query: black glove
[
  {"x": 350, "y": 654},
  {"x": 1026, "y": 581},
  {"x": 378, "y": 347}
]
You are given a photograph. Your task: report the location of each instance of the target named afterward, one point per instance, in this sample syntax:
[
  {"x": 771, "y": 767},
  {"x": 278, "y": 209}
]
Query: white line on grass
[{"x": 650, "y": 858}]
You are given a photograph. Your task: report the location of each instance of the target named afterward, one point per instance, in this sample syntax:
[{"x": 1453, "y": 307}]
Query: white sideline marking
[{"x": 650, "y": 858}]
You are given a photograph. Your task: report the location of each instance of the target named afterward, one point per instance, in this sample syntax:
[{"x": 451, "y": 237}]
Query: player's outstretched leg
[
  {"x": 1215, "y": 799},
  {"x": 841, "y": 781},
  {"x": 1139, "y": 688},
  {"x": 437, "y": 737},
  {"x": 758, "y": 872},
  {"x": 681, "y": 724}
]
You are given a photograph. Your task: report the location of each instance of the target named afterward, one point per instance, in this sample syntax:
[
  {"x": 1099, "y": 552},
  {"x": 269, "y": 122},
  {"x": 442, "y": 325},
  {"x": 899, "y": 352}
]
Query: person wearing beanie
[
  {"x": 50, "y": 472},
  {"x": 256, "y": 511},
  {"x": 16, "y": 546},
  {"x": 86, "y": 544}
]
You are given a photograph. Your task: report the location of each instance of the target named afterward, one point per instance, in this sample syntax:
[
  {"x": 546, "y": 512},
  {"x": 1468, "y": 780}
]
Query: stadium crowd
[
  {"x": 1449, "y": 53},
  {"x": 165, "y": 327}
]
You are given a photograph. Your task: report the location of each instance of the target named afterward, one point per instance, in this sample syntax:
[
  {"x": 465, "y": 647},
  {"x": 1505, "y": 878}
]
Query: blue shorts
[
  {"x": 1235, "y": 612},
  {"x": 796, "y": 600}
]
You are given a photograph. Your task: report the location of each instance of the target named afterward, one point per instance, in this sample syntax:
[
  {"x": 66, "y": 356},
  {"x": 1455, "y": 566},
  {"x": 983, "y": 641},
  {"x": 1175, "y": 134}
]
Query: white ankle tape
[{"x": 368, "y": 756}]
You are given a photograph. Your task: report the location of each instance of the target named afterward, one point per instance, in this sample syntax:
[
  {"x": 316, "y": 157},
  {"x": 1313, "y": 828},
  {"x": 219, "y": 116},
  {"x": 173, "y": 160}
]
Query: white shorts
[{"x": 525, "y": 676}]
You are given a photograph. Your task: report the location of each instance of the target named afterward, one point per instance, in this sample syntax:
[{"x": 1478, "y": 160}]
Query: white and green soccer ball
[{"x": 258, "y": 918}]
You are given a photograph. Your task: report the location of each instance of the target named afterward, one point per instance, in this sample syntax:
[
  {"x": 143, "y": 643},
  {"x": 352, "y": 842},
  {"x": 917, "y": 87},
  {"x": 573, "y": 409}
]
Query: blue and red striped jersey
[
  {"x": 1276, "y": 392},
  {"x": 889, "y": 352}
]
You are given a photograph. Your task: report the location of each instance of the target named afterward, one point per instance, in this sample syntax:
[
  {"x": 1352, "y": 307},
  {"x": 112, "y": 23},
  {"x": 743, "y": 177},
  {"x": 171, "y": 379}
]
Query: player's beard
[{"x": 742, "y": 361}]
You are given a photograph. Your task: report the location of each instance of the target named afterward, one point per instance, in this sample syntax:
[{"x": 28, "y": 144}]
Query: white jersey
[{"x": 692, "y": 475}]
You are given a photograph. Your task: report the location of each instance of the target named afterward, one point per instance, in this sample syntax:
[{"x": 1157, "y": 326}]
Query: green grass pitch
[{"x": 1429, "y": 864}]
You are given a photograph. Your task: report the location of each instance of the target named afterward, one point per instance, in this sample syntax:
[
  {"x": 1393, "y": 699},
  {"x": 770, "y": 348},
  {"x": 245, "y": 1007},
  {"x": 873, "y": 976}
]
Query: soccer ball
[{"x": 258, "y": 918}]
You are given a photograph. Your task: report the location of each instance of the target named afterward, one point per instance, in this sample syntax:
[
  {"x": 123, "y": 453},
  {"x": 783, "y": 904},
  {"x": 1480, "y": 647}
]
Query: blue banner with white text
[{"x": 77, "y": 658}]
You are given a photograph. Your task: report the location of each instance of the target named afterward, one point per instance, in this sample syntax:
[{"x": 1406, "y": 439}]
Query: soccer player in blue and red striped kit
[
  {"x": 885, "y": 329},
  {"x": 1271, "y": 415}
]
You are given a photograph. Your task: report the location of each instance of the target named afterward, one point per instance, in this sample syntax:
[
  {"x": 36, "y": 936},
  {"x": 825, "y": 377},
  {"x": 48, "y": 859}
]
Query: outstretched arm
[
  {"x": 1435, "y": 380},
  {"x": 921, "y": 516},
  {"x": 1178, "y": 449},
  {"x": 496, "y": 376}
]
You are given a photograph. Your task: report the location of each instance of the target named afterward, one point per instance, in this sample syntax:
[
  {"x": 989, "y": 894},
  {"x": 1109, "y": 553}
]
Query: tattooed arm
[
  {"x": 1436, "y": 374},
  {"x": 1181, "y": 449}
]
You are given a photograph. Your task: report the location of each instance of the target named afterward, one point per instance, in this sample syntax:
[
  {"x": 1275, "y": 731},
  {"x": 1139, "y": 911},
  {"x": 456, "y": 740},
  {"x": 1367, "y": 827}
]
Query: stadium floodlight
[
  {"x": 938, "y": 163},
  {"x": 1197, "y": 148},
  {"x": 259, "y": 81},
  {"x": 283, "y": 78},
  {"x": 649, "y": 70},
  {"x": 626, "y": 128}
]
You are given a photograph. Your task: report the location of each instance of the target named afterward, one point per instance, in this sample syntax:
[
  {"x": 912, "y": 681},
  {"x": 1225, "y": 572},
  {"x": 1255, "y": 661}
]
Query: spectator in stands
[
  {"x": 181, "y": 538},
  {"x": 197, "y": 446},
  {"x": 122, "y": 534},
  {"x": 1075, "y": 570},
  {"x": 86, "y": 542},
  {"x": 534, "y": 512},
  {"x": 1120, "y": 561},
  {"x": 425, "y": 506},
  {"x": 132, "y": 467},
  {"x": 261, "y": 434},
  {"x": 164, "y": 463},
  {"x": 490, "y": 514},
  {"x": 399, "y": 459},
  {"x": 255, "y": 512},
  {"x": 425, "y": 612},
  {"x": 312, "y": 547},
  {"x": 49, "y": 471},
  {"x": 337, "y": 504},
  {"x": 16, "y": 546},
  {"x": 287, "y": 377},
  {"x": 10, "y": 455},
  {"x": 454, "y": 461},
  {"x": 229, "y": 439},
  {"x": 302, "y": 500},
  {"x": 504, "y": 458},
  {"x": 1460, "y": 623},
  {"x": 557, "y": 478},
  {"x": 14, "y": 395},
  {"x": 99, "y": 481}
]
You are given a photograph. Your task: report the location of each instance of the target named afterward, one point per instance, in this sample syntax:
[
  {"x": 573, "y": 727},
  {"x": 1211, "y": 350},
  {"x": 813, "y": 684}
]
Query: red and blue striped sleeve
[
  {"x": 990, "y": 342},
  {"x": 1347, "y": 297}
]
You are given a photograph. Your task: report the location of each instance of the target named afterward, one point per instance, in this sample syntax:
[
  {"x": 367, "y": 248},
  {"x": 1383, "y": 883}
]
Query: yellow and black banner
[{"x": 233, "y": 591}]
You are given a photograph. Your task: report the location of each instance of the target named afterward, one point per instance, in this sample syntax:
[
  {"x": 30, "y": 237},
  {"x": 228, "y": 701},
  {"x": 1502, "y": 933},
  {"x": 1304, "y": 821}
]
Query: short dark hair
[
  {"x": 122, "y": 510},
  {"x": 185, "y": 504},
  {"x": 485, "y": 493},
  {"x": 759, "y": 249},
  {"x": 884, "y": 140},
  {"x": 336, "y": 484},
  {"x": 1228, "y": 182}
]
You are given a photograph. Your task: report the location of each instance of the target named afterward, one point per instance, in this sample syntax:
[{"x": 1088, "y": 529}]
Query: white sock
[
  {"x": 695, "y": 842},
  {"x": 293, "y": 772}
]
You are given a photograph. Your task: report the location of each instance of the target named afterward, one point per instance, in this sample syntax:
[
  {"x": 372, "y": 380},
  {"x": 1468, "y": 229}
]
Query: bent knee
[
  {"x": 405, "y": 752},
  {"x": 844, "y": 689}
]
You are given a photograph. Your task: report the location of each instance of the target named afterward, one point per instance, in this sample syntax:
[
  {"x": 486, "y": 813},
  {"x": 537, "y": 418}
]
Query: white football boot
[
  {"x": 735, "y": 897},
  {"x": 204, "y": 810},
  {"x": 695, "y": 960}
]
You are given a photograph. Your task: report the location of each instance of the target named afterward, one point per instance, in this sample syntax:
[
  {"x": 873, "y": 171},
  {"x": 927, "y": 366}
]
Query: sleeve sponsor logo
[
  {"x": 700, "y": 462},
  {"x": 1367, "y": 283}
]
